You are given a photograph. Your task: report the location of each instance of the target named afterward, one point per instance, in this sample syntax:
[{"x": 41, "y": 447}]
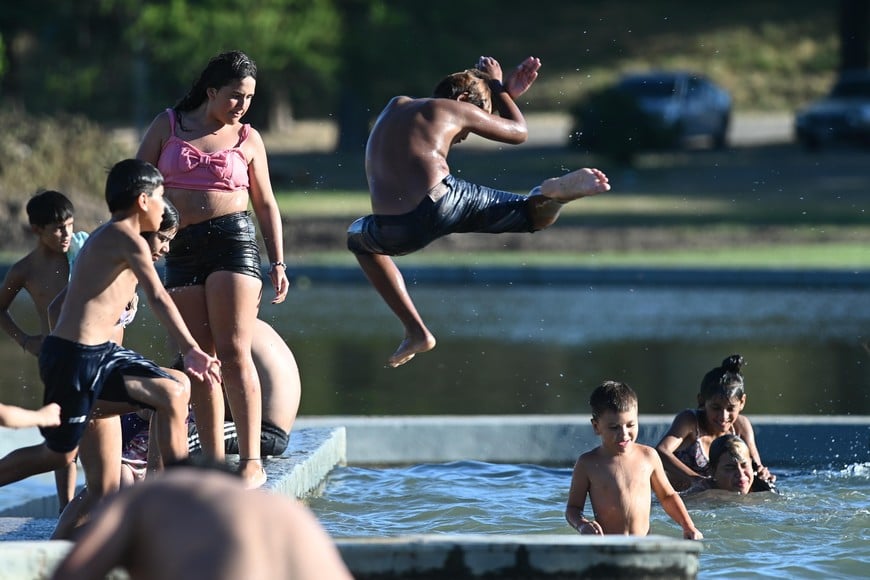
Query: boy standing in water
[
  {"x": 83, "y": 370},
  {"x": 43, "y": 273},
  {"x": 416, "y": 200},
  {"x": 619, "y": 475}
]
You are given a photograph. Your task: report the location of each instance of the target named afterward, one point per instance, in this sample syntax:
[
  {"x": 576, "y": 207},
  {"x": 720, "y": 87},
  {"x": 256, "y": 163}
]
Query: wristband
[{"x": 275, "y": 265}]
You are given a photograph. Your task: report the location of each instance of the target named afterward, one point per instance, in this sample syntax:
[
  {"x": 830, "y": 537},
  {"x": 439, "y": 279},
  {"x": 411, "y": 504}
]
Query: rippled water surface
[{"x": 817, "y": 527}]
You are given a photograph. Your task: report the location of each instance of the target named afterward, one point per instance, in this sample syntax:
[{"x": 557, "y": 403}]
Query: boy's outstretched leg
[
  {"x": 27, "y": 461},
  {"x": 581, "y": 183},
  {"x": 388, "y": 281}
]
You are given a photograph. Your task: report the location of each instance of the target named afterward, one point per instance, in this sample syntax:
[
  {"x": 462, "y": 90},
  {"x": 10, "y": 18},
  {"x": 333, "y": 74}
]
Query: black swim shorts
[
  {"x": 226, "y": 243},
  {"x": 273, "y": 439},
  {"x": 77, "y": 375},
  {"x": 464, "y": 207}
]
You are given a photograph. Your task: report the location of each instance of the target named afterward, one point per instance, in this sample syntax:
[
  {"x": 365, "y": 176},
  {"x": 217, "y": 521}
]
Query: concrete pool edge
[{"x": 320, "y": 443}]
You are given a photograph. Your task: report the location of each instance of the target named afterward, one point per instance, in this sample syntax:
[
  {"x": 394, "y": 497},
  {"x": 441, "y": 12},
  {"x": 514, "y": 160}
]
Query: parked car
[
  {"x": 650, "y": 111},
  {"x": 689, "y": 104},
  {"x": 842, "y": 116}
]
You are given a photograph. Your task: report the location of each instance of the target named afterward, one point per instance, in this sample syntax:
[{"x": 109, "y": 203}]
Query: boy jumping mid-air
[{"x": 416, "y": 200}]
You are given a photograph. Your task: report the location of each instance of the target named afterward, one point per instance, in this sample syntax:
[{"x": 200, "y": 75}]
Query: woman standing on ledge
[{"x": 213, "y": 165}]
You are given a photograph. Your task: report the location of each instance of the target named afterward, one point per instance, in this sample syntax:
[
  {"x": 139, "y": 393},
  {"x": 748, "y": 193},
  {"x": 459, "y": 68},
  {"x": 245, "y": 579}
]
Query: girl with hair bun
[{"x": 685, "y": 448}]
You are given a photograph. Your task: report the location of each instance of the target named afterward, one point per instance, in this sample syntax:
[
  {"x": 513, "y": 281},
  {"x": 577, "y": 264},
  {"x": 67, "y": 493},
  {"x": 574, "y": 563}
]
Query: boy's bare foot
[
  {"x": 252, "y": 472},
  {"x": 408, "y": 348},
  {"x": 574, "y": 185}
]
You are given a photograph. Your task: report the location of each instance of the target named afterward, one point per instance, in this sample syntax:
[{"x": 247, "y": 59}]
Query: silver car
[
  {"x": 689, "y": 104},
  {"x": 842, "y": 116}
]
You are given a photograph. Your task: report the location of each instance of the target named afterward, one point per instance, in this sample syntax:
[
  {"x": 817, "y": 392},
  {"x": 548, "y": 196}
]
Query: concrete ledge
[
  {"x": 459, "y": 557},
  {"x": 783, "y": 440},
  {"x": 299, "y": 471},
  {"x": 520, "y": 556}
]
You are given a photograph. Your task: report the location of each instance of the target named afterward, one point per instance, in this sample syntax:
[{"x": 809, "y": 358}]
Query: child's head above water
[
  {"x": 724, "y": 380},
  {"x": 722, "y": 395},
  {"x": 731, "y": 464},
  {"x": 614, "y": 396}
]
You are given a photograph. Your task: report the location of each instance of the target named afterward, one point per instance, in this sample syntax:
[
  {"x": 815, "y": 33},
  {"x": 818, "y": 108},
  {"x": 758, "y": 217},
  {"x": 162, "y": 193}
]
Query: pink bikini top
[{"x": 185, "y": 167}]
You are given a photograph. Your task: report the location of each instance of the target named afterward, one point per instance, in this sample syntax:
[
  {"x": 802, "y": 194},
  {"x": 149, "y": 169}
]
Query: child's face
[
  {"x": 721, "y": 412},
  {"x": 56, "y": 237},
  {"x": 153, "y": 211},
  {"x": 618, "y": 431},
  {"x": 734, "y": 472},
  {"x": 159, "y": 242}
]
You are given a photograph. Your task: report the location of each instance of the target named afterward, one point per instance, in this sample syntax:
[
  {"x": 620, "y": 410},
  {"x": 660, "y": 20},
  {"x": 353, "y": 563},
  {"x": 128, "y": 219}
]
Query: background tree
[{"x": 854, "y": 34}]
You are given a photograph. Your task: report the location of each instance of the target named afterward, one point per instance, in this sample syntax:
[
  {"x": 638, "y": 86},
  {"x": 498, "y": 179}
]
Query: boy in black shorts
[{"x": 83, "y": 370}]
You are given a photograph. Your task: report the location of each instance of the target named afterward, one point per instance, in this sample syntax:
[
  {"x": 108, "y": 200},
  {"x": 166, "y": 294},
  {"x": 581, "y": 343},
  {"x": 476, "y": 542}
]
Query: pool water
[{"x": 818, "y": 526}]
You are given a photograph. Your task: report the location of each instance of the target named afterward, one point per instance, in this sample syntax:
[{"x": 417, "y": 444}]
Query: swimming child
[
  {"x": 43, "y": 273},
  {"x": 685, "y": 448},
  {"x": 83, "y": 370},
  {"x": 415, "y": 199},
  {"x": 620, "y": 474},
  {"x": 731, "y": 468}
]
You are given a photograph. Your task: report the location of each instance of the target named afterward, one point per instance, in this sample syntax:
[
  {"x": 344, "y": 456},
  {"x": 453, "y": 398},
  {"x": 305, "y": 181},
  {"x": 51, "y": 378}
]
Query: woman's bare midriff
[{"x": 198, "y": 206}]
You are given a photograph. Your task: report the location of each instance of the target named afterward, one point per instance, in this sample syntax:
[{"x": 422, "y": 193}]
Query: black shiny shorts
[
  {"x": 224, "y": 244},
  {"x": 463, "y": 207}
]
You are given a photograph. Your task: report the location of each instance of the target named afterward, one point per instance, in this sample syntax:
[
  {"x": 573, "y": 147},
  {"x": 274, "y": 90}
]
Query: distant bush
[
  {"x": 610, "y": 123},
  {"x": 68, "y": 153}
]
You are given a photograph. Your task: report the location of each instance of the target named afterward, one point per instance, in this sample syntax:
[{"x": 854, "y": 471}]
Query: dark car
[
  {"x": 842, "y": 116},
  {"x": 687, "y": 104}
]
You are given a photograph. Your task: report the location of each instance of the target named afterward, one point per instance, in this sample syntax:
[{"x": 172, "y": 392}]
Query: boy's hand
[
  {"x": 522, "y": 77},
  {"x": 590, "y": 528},
  {"x": 203, "y": 367},
  {"x": 692, "y": 534},
  {"x": 491, "y": 67},
  {"x": 49, "y": 415}
]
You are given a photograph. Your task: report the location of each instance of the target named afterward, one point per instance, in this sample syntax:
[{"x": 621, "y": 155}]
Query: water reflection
[{"x": 515, "y": 350}]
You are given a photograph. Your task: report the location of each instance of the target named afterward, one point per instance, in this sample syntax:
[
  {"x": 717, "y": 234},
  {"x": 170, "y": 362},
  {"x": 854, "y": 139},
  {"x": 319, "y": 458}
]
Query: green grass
[{"x": 834, "y": 256}]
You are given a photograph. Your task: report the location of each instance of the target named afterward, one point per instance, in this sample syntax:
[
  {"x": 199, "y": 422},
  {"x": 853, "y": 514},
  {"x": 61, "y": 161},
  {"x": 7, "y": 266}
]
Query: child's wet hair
[
  {"x": 127, "y": 179},
  {"x": 467, "y": 82},
  {"x": 170, "y": 217},
  {"x": 724, "y": 380},
  {"x": 613, "y": 396},
  {"x": 731, "y": 444},
  {"x": 49, "y": 208}
]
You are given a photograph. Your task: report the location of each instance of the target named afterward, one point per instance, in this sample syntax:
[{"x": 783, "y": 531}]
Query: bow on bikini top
[{"x": 185, "y": 167}]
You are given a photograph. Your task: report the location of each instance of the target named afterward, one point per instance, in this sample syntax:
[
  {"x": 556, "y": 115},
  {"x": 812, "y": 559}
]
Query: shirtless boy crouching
[
  {"x": 83, "y": 371},
  {"x": 620, "y": 474}
]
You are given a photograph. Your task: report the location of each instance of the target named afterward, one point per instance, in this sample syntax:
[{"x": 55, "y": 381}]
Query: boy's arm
[
  {"x": 12, "y": 285},
  {"x": 199, "y": 364},
  {"x": 577, "y": 501},
  {"x": 670, "y": 499},
  {"x": 15, "y": 417}
]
